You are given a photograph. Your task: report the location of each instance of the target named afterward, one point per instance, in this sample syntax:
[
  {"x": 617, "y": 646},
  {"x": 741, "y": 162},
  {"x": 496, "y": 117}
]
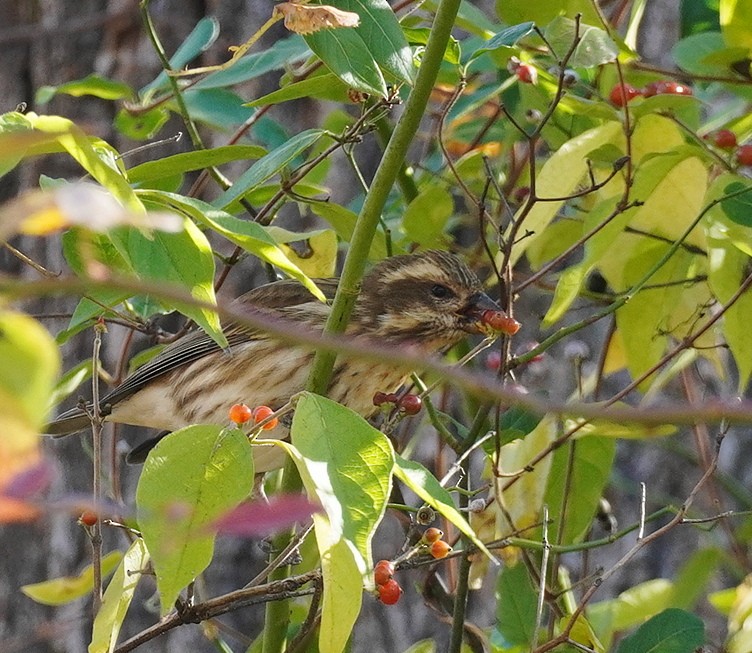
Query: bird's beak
[{"x": 483, "y": 315}]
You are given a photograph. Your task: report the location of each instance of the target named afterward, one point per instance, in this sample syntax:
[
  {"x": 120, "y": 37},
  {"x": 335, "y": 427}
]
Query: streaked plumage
[{"x": 428, "y": 301}]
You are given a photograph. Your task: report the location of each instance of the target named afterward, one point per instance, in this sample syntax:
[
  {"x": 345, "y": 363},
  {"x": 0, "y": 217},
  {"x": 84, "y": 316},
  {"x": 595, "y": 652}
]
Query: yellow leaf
[
  {"x": 59, "y": 591},
  {"x": 320, "y": 257}
]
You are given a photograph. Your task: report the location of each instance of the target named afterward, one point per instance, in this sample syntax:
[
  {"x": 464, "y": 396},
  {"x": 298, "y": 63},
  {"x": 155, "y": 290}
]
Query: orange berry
[
  {"x": 240, "y": 413},
  {"x": 88, "y": 518},
  {"x": 260, "y": 413},
  {"x": 621, "y": 95},
  {"x": 666, "y": 87},
  {"x": 500, "y": 321},
  {"x": 390, "y": 592},
  {"x": 440, "y": 549},
  {"x": 431, "y": 535},
  {"x": 383, "y": 572}
]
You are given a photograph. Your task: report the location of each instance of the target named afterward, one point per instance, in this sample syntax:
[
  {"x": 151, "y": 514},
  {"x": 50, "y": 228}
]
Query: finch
[{"x": 427, "y": 302}]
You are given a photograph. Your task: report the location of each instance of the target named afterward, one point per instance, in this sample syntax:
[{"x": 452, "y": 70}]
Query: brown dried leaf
[{"x": 306, "y": 19}]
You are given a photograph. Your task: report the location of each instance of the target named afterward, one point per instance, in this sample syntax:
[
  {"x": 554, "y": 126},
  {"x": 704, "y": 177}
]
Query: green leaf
[
  {"x": 594, "y": 49},
  {"x": 645, "y": 321},
  {"x": 284, "y": 52},
  {"x": 184, "y": 258},
  {"x": 419, "y": 36},
  {"x": 59, "y": 591},
  {"x": 428, "y": 488},
  {"x": 269, "y": 165},
  {"x": 735, "y": 18},
  {"x": 504, "y": 39},
  {"x": 324, "y": 87},
  {"x": 544, "y": 11},
  {"x": 191, "y": 477},
  {"x": 738, "y": 208},
  {"x": 95, "y": 85},
  {"x": 383, "y": 37},
  {"x": 141, "y": 126},
  {"x": 117, "y": 598},
  {"x": 727, "y": 267},
  {"x": 352, "y": 461},
  {"x": 81, "y": 148},
  {"x": 524, "y": 499},
  {"x": 343, "y": 222},
  {"x": 346, "y": 465},
  {"x": 345, "y": 53},
  {"x": 691, "y": 54},
  {"x": 516, "y": 606},
  {"x": 579, "y": 473},
  {"x": 189, "y": 161},
  {"x": 694, "y": 575},
  {"x": 250, "y": 236},
  {"x": 199, "y": 40},
  {"x": 699, "y": 16},
  {"x": 217, "y": 107},
  {"x": 426, "y": 217},
  {"x": 633, "y": 605},
  {"x": 71, "y": 381},
  {"x": 671, "y": 631}
]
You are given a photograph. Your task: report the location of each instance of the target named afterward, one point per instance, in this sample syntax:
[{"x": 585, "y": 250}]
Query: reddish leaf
[{"x": 262, "y": 518}]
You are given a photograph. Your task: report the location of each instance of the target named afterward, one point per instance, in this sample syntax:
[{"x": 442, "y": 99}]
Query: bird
[{"x": 426, "y": 301}]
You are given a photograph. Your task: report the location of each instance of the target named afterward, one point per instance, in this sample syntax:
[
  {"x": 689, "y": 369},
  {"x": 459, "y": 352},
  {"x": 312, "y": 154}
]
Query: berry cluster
[
  {"x": 388, "y": 589},
  {"x": 409, "y": 404},
  {"x": 725, "y": 139},
  {"x": 622, "y": 94},
  {"x": 437, "y": 547},
  {"x": 240, "y": 414}
]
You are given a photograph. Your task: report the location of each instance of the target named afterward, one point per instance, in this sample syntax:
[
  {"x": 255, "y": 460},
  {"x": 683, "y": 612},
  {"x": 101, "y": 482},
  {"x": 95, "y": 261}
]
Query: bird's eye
[{"x": 440, "y": 292}]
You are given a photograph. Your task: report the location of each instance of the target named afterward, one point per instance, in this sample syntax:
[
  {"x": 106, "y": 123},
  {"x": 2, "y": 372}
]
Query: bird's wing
[{"x": 196, "y": 345}]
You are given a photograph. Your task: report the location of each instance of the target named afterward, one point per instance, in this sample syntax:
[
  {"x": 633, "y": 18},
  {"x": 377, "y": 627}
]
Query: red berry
[
  {"x": 389, "y": 592},
  {"x": 88, "y": 518},
  {"x": 440, "y": 549},
  {"x": 621, "y": 95},
  {"x": 526, "y": 74},
  {"x": 744, "y": 155},
  {"x": 260, "y": 413},
  {"x": 410, "y": 404},
  {"x": 240, "y": 413},
  {"x": 666, "y": 87},
  {"x": 500, "y": 321},
  {"x": 493, "y": 360},
  {"x": 724, "y": 138},
  {"x": 383, "y": 572},
  {"x": 431, "y": 535}
]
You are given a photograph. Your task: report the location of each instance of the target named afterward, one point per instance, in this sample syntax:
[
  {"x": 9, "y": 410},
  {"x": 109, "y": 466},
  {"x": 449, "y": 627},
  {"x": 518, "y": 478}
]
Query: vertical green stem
[{"x": 277, "y": 614}]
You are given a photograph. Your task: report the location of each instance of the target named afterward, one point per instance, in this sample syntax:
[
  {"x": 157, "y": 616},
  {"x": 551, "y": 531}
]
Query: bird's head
[{"x": 430, "y": 300}]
